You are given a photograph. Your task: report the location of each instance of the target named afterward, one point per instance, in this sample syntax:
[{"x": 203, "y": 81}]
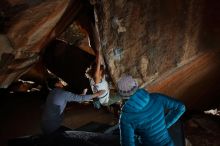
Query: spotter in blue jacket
[{"x": 143, "y": 115}]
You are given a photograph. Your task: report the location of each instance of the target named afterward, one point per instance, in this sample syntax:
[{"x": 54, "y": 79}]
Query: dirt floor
[{"x": 202, "y": 129}]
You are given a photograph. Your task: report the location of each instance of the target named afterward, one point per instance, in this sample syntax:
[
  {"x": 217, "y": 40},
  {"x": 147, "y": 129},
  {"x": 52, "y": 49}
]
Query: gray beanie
[{"x": 127, "y": 86}]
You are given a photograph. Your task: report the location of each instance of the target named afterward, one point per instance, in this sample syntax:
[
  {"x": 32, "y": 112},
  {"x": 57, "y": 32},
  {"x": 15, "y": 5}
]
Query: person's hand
[
  {"x": 99, "y": 93},
  {"x": 98, "y": 56}
]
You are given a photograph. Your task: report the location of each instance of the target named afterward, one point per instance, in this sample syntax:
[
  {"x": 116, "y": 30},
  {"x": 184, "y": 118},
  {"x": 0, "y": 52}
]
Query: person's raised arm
[
  {"x": 97, "y": 76},
  {"x": 175, "y": 109}
]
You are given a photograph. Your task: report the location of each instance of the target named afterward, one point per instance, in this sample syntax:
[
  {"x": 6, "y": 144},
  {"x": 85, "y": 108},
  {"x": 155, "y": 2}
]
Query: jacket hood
[{"x": 137, "y": 101}]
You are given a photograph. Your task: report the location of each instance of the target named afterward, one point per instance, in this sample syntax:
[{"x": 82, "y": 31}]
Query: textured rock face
[
  {"x": 197, "y": 83},
  {"x": 168, "y": 46},
  {"x": 171, "y": 46},
  {"x": 30, "y": 25},
  {"x": 148, "y": 38},
  {"x": 13, "y": 63}
]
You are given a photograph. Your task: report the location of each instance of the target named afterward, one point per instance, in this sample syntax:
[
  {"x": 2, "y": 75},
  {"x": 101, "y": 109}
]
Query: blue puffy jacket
[{"x": 143, "y": 115}]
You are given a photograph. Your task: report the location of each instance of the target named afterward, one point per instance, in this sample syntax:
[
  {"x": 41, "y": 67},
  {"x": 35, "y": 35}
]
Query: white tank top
[{"x": 103, "y": 85}]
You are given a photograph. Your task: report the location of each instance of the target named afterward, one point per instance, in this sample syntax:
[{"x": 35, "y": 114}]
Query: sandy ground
[{"x": 202, "y": 129}]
